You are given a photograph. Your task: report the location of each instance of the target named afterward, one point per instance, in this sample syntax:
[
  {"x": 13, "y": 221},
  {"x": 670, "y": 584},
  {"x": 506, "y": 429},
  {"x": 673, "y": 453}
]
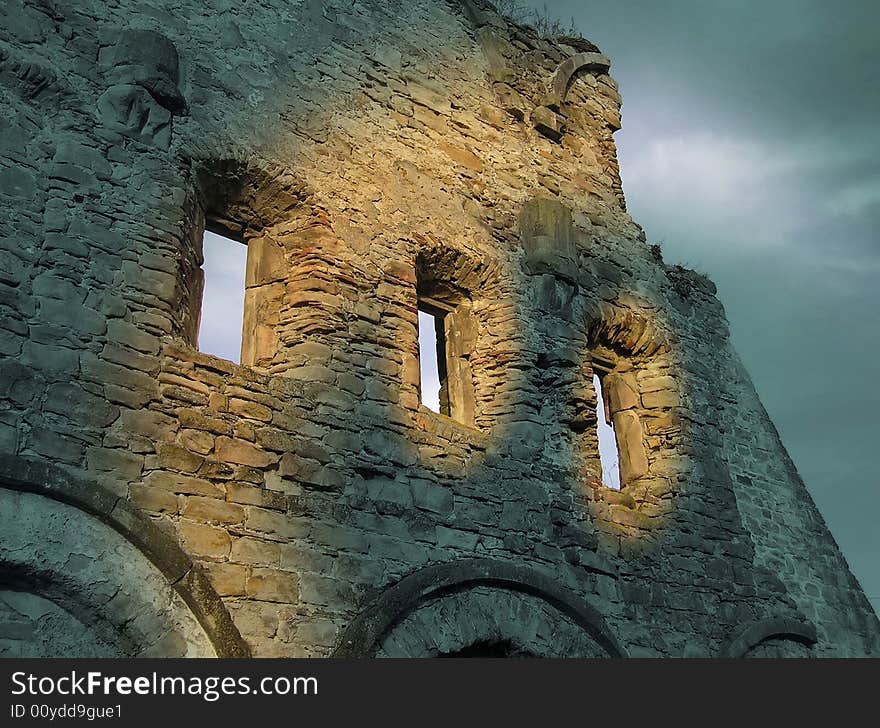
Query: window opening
[
  {"x": 222, "y": 312},
  {"x": 432, "y": 358},
  {"x": 609, "y": 454}
]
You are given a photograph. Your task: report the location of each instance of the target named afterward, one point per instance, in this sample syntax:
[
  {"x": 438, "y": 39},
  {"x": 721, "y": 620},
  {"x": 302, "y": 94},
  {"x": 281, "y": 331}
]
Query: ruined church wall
[{"x": 356, "y": 148}]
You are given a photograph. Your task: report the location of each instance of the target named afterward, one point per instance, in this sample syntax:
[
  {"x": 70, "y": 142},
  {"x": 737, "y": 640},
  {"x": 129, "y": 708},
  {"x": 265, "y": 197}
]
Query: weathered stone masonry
[{"x": 160, "y": 501}]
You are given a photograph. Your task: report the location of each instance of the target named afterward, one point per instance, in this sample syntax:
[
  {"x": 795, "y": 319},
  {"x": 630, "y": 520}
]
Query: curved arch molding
[
  {"x": 363, "y": 634},
  {"x": 565, "y": 72},
  {"x": 22, "y": 474},
  {"x": 752, "y": 634}
]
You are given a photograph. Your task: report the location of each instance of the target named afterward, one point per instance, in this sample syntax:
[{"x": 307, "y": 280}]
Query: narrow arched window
[
  {"x": 609, "y": 454},
  {"x": 433, "y": 380},
  {"x": 446, "y": 335}
]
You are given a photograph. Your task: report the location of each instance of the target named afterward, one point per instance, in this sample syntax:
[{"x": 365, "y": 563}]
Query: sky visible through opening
[
  {"x": 429, "y": 376},
  {"x": 223, "y": 299},
  {"x": 608, "y": 453}
]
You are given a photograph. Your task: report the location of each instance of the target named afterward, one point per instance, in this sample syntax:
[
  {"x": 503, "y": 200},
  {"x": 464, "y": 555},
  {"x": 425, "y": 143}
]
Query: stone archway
[
  {"x": 478, "y": 607},
  {"x": 486, "y": 621},
  {"x": 774, "y": 637},
  {"x": 82, "y": 574},
  {"x": 70, "y": 585}
]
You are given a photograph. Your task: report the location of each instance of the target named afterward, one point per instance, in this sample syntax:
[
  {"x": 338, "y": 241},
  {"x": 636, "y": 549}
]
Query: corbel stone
[
  {"x": 148, "y": 59},
  {"x": 547, "y": 236},
  {"x": 548, "y": 122},
  {"x": 142, "y": 71}
]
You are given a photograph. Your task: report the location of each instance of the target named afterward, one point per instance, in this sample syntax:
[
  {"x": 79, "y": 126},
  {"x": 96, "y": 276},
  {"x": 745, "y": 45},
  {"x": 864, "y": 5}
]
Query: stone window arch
[
  {"x": 619, "y": 399},
  {"x": 462, "y": 290},
  {"x": 256, "y": 207},
  {"x": 630, "y": 354}
]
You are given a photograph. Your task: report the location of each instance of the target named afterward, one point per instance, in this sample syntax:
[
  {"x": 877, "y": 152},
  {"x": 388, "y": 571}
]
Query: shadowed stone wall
[
  {"x": 365, "y": 153},
  {"x": 73, "y": 586}
]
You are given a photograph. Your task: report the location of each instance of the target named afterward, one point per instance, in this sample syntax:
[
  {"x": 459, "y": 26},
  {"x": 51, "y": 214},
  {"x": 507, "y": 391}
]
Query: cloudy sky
[{"x": 750, "y": 150}]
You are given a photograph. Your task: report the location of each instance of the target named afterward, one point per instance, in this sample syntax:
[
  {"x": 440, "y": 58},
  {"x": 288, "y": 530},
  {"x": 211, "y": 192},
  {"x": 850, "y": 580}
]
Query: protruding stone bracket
[
  {"x": 142, "y": 73},
  {"x": 148, "y": 59},
  {"x": 546, "y": 232},
  {"x": 750, "y": 635},
  {"x": 363, "y": 634},
  {"x": 548, "y": 122},
  {"x": 565, "y": 73},
  {"x": 30, "y": 476}
]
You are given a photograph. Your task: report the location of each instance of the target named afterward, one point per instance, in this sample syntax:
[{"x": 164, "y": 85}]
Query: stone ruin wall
[{"x": 368, "y": 153}]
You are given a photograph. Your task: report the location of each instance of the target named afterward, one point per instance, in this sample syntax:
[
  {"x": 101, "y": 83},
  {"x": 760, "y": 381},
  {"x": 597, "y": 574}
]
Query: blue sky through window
[
  {"x": 608, "y": 453},
  {"x": 223, "y": 299},
  {"x": 430, "y": 378}
]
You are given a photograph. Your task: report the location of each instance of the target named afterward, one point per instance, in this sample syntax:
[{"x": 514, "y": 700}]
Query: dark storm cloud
[{"x": 751, "y": 150}]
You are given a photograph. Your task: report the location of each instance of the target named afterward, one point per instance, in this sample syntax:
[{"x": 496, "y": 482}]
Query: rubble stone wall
[{"x": 363, "y": 152}]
